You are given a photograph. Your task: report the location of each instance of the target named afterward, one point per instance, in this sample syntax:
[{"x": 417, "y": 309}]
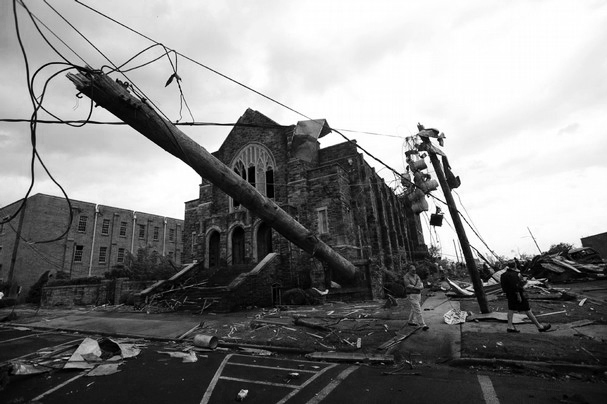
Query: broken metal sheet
[
  {"x": 90, "y": 352},
  {"x": 105, "y": 369},
  {"x": 21, "y": 368},
  {"x": 458, "y": 289},
  {"x": 315, "y": 128},
  {"x": 89, "y": 348},
  {"x": 552, "y": 267}
]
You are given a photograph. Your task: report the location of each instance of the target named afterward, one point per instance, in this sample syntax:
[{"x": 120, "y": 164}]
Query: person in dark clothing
[{"x": 513, "y": 285}]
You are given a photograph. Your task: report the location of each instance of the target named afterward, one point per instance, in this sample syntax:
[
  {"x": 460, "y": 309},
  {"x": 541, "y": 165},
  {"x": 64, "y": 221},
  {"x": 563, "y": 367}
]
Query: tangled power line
[{"x": 173, "y": 57}]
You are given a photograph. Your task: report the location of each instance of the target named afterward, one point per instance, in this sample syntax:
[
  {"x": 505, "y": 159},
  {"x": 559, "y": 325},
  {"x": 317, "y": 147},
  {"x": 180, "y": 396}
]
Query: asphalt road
[{"x": 154, "y": 376}]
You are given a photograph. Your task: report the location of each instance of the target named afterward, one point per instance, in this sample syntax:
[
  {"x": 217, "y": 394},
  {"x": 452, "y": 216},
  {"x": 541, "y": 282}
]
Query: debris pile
[
  {"x": 557, "y": 268},
  {"x": 94, "y": 357},
  {"x": 537, "y": 289},
  {"x": 177, "y": 292}
]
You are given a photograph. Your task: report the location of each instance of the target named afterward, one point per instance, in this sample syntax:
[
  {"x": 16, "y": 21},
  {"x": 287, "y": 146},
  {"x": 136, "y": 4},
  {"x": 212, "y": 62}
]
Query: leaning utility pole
[
  {"x": 538, "y": 247},
  {"x": 138, "y": 114},
  {"x": 425, "y": 135}
]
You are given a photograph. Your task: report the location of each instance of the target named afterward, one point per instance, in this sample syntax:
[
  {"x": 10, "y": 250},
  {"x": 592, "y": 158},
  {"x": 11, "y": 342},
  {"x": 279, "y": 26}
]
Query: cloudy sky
[{"x": 519, "y": 88}]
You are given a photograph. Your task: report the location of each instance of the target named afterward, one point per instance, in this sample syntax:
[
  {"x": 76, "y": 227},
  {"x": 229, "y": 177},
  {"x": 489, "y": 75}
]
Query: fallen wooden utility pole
[
  {"x": 457, "y": 223},
  {"x": 142, "y": 117}
]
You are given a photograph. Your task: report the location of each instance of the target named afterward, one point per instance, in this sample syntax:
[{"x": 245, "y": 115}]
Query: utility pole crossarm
[{"x": 142, "y": 117}]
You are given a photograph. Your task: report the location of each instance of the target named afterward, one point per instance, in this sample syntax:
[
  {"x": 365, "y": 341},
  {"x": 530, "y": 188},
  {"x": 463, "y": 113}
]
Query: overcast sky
[{"x": 519, "y": 88}]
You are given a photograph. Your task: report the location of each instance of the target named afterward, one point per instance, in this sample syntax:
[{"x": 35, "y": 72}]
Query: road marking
[
  {"x": 331, "y": 386},
  {"x": 207, "y": 394},
  {"x": 488, "y": 391},
  {"x": 272, "y": 367},
  {"x": 46, "y": 393},
  {"x": 27, "y": 336},
  {"x": 295, "y": 388}
]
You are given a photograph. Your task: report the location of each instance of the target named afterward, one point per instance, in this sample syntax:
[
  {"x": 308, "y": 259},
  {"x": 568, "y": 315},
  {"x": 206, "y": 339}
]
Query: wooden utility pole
[
  {"x": 143, "y": 118},
  {"x": 538, "y": 247},
  {"x": 457, "y": 222}
]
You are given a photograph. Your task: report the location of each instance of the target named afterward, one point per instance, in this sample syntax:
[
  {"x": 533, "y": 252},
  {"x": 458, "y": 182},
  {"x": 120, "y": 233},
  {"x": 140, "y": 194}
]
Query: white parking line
[
  {"x": 295, "y": 388},
  {"x": 488, "y": 391},
  {"x": 331, "y": 386},
  {"x": 27, "y": 336},
  {"x": 59, "y": 386}
]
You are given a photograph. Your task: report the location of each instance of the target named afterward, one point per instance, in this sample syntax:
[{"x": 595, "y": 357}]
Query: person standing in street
[
  {"x": 512, "y": 285},
  {"x": 414, "y": 287}
]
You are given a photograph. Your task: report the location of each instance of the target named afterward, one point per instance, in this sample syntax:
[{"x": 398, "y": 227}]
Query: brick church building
[{"x": 331, "y": 191}]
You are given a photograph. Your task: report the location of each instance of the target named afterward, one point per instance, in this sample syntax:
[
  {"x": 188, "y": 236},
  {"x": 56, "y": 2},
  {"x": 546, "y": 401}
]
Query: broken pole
[
  {"x": 457, "y": 223},
  {"x": 138, "y": 114}
]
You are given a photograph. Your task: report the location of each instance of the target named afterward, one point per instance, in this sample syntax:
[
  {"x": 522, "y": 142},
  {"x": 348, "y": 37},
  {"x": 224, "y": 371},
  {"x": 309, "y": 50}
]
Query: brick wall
[
  {"x": 47, "y": 217},
  {"x": 111, "y": 292}
]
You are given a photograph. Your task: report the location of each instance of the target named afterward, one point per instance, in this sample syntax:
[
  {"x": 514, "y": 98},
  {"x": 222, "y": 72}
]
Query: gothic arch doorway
[
  {"x": 214, "y": 249},
  {"x": 264, "y": 241},
  {"x": 238, "y": 249}
]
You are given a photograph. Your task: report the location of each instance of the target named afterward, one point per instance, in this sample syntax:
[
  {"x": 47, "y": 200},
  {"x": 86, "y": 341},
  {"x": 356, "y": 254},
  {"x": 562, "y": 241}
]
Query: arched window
[
  {"x": 238, "y": 250},
  {"x": 255, "y": 164},
  {"x": 214, "y": 249},
  {"x": 264, "y": 241}
]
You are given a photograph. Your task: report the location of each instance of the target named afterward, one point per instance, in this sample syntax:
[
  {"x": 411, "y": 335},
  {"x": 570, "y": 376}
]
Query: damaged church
[{"x": 331, "y": 191}]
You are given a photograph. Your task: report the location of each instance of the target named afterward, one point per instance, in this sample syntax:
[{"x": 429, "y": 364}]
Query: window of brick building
[
  {"x": 105, "y": 227},
  {"x": 156, "y": 233},
  {"x": 323, "y": 220},
  {"x": 78, "y": 253},
  {"x": 123, "y": 229},
  {"x": 82, "y": 223},
  {"x": 255, "y": 164},
  {"x": 142, "y": 231},
  {"x": 120, "y": 257},
  {"x": 102, "y": 255},
  {"x": 171, "y": 234}
]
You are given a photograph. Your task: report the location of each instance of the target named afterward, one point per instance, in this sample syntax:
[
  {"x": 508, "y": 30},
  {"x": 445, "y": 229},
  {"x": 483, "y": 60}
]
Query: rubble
[
  {"x": 556, "y": 268},
  {"x": 97, "y": 358}
]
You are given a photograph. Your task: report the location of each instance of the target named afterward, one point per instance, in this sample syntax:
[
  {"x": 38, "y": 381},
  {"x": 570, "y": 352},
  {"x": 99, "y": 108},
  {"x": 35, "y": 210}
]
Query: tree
[
  {"x": 146, "y": 265},
  {"x": 560, "y": 248}
]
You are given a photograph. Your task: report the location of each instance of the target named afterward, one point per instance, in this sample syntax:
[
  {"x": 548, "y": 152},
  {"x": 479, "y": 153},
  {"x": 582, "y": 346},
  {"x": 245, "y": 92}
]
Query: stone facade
[
  {"x": 97, "y": 240},
  {"x": 332, "y": 192}
]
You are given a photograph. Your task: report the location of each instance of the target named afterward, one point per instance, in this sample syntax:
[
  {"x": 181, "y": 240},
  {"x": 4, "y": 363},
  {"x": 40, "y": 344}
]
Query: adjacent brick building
[
  {"x": 598, "y": 242},
  {"x": 97, "y": 240},
  {"x": 331, "y": 191}
]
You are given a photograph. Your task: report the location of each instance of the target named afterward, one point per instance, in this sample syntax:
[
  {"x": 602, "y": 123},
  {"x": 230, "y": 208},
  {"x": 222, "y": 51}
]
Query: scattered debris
[
  {"x": 350, "y": 357},
  {"x": 242, "y": 394},
  {"x": 205, "y": 341},
  {"x": 455, "y": 316},
  {"x": 498, "y": 316},
  {"x": 101, "y": 358},
  {"x": 188, "y": 357},
  {"x": 397, "y": 339}
]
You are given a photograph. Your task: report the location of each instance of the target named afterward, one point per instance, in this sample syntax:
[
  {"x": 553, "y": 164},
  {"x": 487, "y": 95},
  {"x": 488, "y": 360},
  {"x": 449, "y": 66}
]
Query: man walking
[
  {"x": 513, "y": 285},
  {"x": 414, "y": 287}
]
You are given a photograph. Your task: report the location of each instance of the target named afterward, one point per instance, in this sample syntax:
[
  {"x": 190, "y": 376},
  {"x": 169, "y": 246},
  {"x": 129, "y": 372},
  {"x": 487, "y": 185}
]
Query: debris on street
[{"x": 101, "y": 357}]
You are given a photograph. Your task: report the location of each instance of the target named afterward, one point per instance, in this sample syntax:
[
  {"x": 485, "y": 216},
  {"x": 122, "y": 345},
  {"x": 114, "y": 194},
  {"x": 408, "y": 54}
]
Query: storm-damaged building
[{"x": 331, "y": 191}]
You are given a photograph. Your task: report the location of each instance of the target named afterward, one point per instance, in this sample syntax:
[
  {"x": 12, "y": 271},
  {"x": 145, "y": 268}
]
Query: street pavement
[
  {"x": 220, "y": 374},
  {"x": 441, "y": 343}
]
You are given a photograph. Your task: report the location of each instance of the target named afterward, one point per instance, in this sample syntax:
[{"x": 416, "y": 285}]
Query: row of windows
[
  {"x": 79, "y": 251},
  {"x": 105, "y": 229}
]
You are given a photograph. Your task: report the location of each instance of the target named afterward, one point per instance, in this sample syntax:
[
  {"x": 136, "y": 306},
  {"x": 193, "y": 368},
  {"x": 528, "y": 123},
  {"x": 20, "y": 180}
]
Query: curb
[{"x": 559, "y": 366}]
